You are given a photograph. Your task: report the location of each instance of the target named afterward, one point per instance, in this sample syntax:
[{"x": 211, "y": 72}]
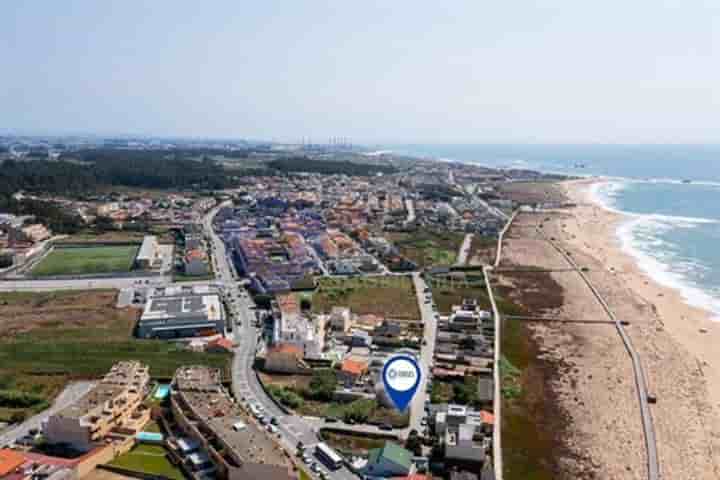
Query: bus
[{"x": 328, "y": 456}]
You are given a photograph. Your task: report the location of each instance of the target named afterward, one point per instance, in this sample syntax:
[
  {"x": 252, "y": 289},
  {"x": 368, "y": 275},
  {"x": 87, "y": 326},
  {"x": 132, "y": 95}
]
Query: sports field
[{"x": 86, "y": 260}]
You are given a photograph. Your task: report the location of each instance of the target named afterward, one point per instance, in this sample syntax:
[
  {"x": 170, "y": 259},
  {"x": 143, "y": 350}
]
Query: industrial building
[
  {"x": 110, "y": 405},
  {"x": 180, "y": 312}
]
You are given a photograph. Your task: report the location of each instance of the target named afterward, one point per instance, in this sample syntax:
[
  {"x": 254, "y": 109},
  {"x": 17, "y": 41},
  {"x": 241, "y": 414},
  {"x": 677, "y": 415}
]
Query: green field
[
  {"x": 50, "y": 338},
  {"x": 86, "y": 260},
  {"x": 427, "y": 248},
  {"x": 389, "y": 297},
  {"x": 148, "y": 459}
]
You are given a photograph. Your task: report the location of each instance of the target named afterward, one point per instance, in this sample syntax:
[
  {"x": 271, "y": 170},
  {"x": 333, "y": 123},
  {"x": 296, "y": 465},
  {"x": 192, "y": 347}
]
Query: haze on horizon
[{"x": 375, "y": 71}]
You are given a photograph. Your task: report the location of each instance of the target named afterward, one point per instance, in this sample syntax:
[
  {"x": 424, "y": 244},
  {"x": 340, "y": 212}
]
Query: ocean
[{"x": 670, "y": 193}]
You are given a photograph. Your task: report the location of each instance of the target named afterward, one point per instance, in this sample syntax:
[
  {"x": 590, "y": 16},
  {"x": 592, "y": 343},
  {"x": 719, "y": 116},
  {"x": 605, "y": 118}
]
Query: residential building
[
  {"x": 195, "y": 262},
  {"x": 465, "y": 433},
  {"x": 34, "y": 233},
  {"x": 340, "y": 319},
  {"x": 109, "y": 405},
  {"x": 292, "y": 327},
  {"x": 285, "y": 358},
  {"x": 351, "y": 371},
  {"x": 208, "y": 415},
  {"x": 389, "y": 461},
  {"x": 220, "y": 345}
]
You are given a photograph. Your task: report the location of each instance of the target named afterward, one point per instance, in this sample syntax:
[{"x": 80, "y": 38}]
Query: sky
[{"x": 562, "y": 71}]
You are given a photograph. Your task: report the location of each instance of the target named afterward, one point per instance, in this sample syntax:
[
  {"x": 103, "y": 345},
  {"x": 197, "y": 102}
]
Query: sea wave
[
  {"x": 642, "y": 236},
  {"x": 606, "y": 193}
]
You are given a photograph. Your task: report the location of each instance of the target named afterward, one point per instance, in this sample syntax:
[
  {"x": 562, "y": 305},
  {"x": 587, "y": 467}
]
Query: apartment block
[{"x": 109, "y": 405}]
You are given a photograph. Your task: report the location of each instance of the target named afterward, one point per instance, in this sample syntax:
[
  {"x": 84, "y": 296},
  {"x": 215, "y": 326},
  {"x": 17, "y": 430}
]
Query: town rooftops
[
  {"x": 10, "y": 461},
  {"x": 354, "y": 367},
  {"x": 201, "y": 389},
  {"x": 122, "y": 376},
  {"x": 288, "y": 304}
]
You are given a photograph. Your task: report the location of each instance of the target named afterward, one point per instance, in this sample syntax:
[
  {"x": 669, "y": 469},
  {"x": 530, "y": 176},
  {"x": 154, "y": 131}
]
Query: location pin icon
[{"x": 401, "y": 377}]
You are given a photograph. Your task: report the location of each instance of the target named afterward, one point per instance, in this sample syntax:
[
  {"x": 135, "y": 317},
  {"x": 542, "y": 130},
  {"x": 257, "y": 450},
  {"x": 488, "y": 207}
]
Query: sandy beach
[{"x": 595, "y": 388}]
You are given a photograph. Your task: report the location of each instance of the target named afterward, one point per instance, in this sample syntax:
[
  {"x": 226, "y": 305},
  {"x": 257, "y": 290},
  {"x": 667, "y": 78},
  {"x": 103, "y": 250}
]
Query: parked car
[{"x": 386, "y": 426}]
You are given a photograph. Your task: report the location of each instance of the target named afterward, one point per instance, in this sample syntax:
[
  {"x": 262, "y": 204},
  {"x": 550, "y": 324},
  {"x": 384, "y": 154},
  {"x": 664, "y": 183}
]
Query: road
[
  {"x": 497, "y": 403},
  {"x": 410, "y": 207},
  {"x": 80, "y": 284},
  {"x": 462, "y": 257},
  {"x": 67, "y": 397},
  {"x": 427, "y": 314},
  {"x": 245, "y": 384}
]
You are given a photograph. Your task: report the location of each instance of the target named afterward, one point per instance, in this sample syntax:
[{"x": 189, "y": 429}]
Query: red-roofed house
[
  {"x": 220, "y": 345},
  {"x": 10, "y": 461},
  {"x": 352, "y": 370}
]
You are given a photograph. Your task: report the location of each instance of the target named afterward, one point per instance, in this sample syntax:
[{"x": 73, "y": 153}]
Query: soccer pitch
[{"x": 86, "y": 260}]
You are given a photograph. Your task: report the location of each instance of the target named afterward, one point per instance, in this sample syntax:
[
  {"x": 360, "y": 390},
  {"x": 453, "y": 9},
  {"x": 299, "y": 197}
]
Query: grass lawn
[
  {"x": 50, "y": 338},
  {"x": 149, "y": 459},
  {"x": 390, "y": 297},
  {"x": 86, "y": 260},
  {"x": 427, "y": 248}
]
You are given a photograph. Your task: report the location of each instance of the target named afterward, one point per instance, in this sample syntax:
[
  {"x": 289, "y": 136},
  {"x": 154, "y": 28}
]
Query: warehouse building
[{"x": 182, "y": 312}]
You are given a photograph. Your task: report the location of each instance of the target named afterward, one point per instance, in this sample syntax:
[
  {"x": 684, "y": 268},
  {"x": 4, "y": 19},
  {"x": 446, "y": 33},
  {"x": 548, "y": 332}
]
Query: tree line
[{"x": 328, "y": 167}]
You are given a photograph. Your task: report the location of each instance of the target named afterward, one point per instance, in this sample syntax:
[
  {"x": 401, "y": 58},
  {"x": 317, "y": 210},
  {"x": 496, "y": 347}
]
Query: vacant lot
[
  {"x": 389, "y": 297},
  {"x": 482, "y": 250},
  {"x": 532, "y": 192},
  {"x": 148, "y": 459},
  {"x": 86, "y": 260},
  {"x": 47, "y": 339},
  {"x": 427, "y": 248},
  {"x": 350, "y": 444}
]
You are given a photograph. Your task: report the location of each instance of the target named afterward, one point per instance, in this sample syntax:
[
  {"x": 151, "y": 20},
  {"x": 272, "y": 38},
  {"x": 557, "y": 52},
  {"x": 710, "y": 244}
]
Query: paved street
[
  {"x": 462, "y": 257},
  {"x": 80, "y": 284},
  {"x": 68, "y": 396},
  {"x": 245, "y": 384},
  {"x": 417, "y": 407}
]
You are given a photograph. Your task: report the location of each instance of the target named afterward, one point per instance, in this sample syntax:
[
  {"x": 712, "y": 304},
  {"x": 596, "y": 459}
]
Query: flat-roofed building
[
  {"x": 293, "y": 328},
  {"x": 207, "y": 414},
  {"x": 148, "y": 253},
  {"x": 181, "y": 313},
  {"x": 107, "y": 406}
]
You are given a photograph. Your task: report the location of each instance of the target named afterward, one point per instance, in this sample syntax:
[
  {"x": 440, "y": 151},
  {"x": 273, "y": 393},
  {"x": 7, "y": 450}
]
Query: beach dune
[{"x": 677, "y": 344}]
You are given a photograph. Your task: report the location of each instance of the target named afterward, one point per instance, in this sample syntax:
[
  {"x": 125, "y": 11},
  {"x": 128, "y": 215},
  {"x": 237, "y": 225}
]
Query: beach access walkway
[{"x": 653, "y": 467}]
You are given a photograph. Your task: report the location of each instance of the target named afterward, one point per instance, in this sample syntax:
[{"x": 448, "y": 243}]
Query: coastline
[
  {"x": 691, "y": 326},
  {"x": 677, "y": 341}
]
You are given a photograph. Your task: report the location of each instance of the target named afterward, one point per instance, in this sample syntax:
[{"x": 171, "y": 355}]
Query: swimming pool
[
  {"x": 151, "y": 437},
  {"x": 161, "y": 392}
]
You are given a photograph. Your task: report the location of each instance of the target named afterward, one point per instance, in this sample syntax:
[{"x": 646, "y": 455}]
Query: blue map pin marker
[{"x": 401, "y": 377}]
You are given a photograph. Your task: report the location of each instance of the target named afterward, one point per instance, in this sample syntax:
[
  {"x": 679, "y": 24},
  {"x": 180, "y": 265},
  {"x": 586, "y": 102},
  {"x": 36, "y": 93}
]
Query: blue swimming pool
[
  {"x": 151, "y": 437},
  {"x": 161, "y": 392}
]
